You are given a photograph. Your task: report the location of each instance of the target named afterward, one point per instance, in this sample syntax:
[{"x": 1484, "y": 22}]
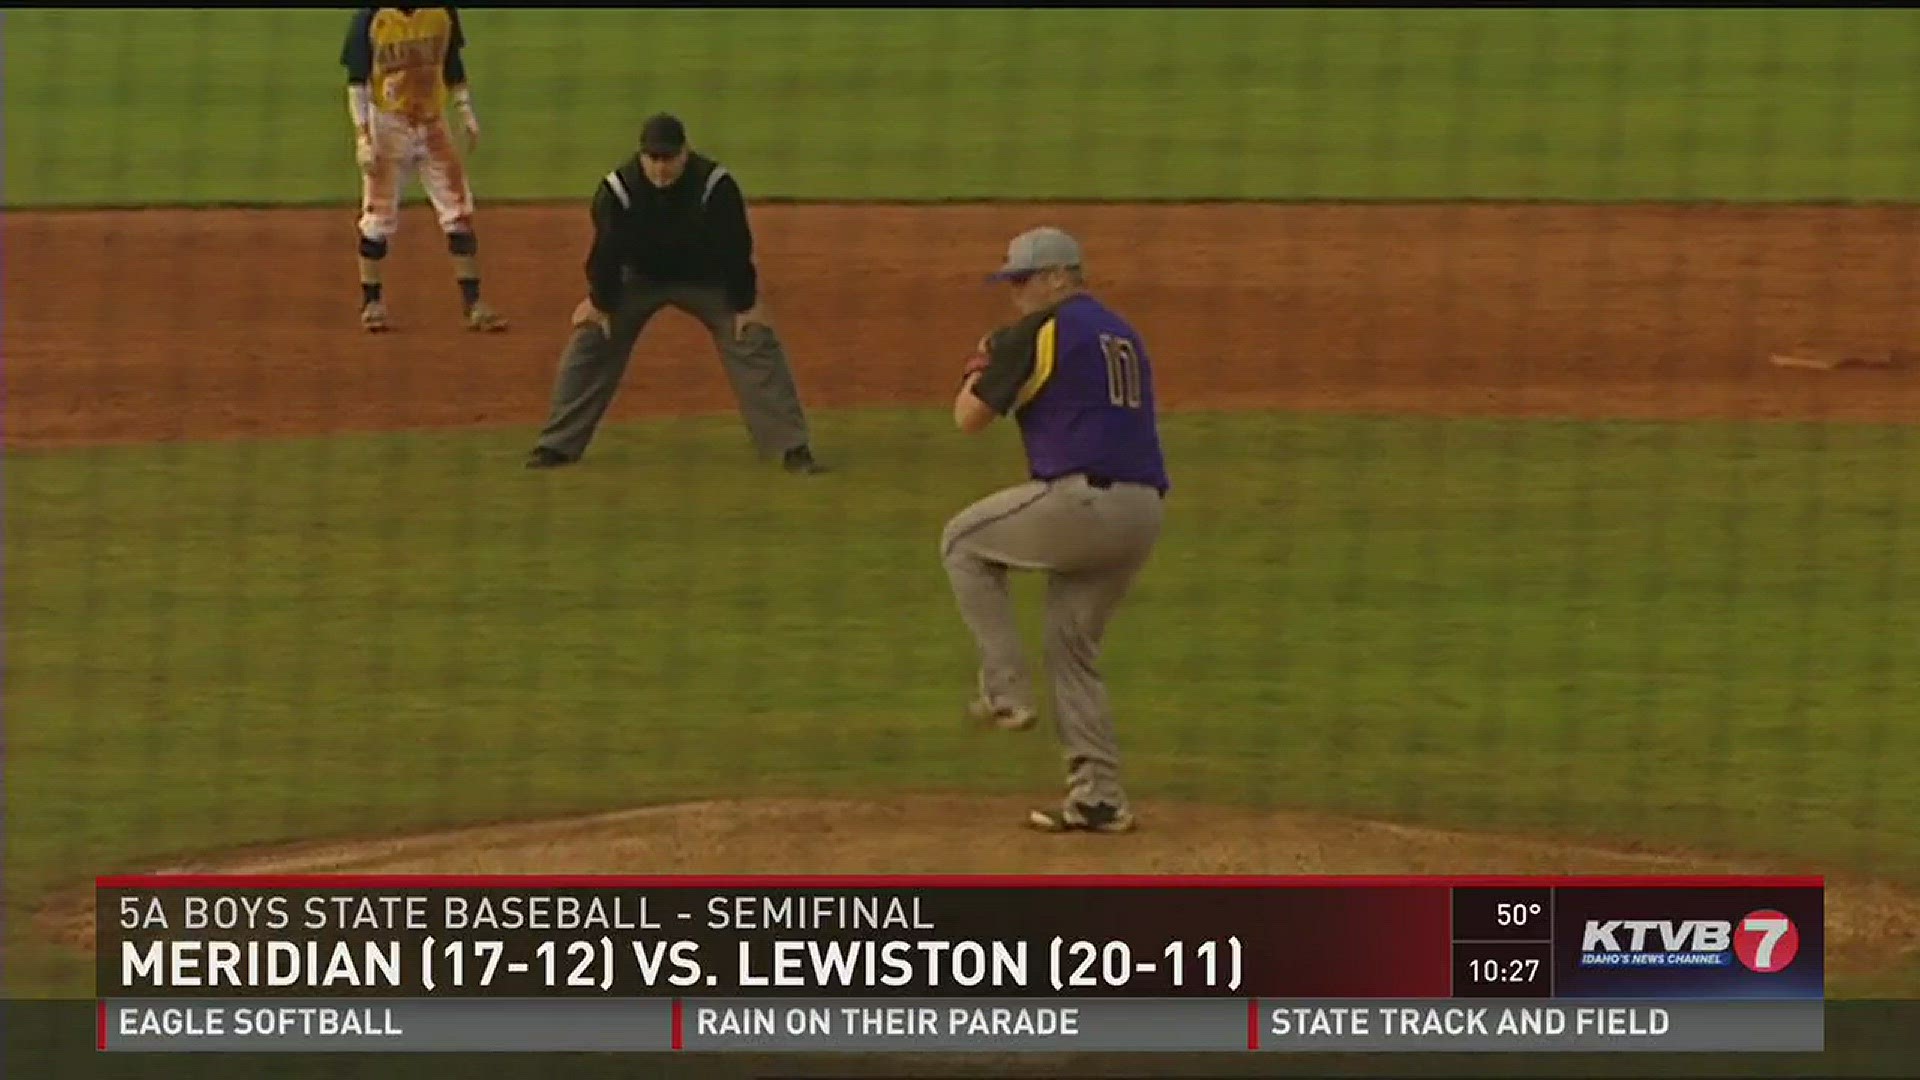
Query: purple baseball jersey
[{"x": 1077, "y": 379}]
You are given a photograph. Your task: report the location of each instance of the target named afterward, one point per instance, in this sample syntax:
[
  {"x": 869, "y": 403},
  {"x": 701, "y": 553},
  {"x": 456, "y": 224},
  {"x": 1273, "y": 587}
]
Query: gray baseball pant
[
  {"x": 593, "y": 364},
  {"x": 1091, "y": 543}
]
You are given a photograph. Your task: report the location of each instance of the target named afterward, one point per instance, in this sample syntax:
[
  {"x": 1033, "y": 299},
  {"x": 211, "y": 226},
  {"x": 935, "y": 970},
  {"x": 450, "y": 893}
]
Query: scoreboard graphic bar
[{"x": 1000, "y": 964}]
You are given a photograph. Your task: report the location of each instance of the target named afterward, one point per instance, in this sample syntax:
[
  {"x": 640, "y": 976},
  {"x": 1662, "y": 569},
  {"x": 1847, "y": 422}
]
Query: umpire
[{"x": 670, "y": 229}]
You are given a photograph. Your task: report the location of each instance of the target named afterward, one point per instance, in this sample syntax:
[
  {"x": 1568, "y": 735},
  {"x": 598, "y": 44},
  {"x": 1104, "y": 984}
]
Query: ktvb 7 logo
[{"x": 1764, "y": 941}]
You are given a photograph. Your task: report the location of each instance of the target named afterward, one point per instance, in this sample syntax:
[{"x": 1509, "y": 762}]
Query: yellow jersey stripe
[{"x": 1042, "y": 365}]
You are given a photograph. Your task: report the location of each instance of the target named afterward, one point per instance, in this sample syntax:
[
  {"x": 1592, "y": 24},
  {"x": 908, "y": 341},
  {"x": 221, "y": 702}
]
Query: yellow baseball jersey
[{"x": 408, "y": 57}]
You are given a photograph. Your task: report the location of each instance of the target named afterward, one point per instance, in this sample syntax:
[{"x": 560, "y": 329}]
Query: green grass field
[
  {"x": 1698, "y": 635},
  {"x": 146, "y": 107},
  {"x": 1688, "y": 634}
]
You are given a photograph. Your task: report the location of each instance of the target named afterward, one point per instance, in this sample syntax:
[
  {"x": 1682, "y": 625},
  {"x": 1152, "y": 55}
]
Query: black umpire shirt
[{"x": 692, "y": 232}]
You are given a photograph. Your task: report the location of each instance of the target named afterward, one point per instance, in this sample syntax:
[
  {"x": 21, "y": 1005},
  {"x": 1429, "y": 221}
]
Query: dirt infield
[{"x": 163, "y": 325}]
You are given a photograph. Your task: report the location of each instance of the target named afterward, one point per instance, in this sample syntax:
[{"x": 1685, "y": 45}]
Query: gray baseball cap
[{"x": 1045, "y": 248}]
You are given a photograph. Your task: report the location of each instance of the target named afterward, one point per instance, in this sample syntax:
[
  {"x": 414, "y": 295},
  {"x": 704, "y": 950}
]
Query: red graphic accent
[
  {"x": 678, "y": 1039},
  {"x": 926, "y": 881},
  {"x": 100, "y": 1032},
  {"x": 1253, "y": 1023},
  {"x": 1766, "y": 941}
]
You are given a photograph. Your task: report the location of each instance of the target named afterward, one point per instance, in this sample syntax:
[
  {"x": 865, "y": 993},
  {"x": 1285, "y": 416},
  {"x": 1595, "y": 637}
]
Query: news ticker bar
[
  {"x": 325, "y": 936},
  {"x": 955, "y": 1025}
]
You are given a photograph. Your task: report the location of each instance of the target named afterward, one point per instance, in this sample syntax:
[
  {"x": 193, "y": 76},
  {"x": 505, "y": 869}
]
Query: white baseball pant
[{"x": 403, "y": 150}]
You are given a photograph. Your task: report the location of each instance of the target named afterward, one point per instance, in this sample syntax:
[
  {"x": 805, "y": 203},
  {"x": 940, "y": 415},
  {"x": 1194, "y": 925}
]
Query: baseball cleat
[
  {"x": 1082, "y": 817},
  {"x": 982, "y": 710},
  {"x": 373, "y": 317},
  {"x": 800, "y": 462},
  {"x": 543, "y": 458},
  {"x": 1004, "y": 717},
  {"x": 484, "y": 319}
]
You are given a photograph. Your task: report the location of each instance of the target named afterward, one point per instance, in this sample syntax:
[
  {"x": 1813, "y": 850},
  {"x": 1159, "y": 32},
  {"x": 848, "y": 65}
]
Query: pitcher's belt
[{"x": 1102, "y": 483}]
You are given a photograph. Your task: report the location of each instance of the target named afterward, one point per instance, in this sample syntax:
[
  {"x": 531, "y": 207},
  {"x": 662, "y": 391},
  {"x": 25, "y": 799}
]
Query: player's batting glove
[{"x": 463, "y": 101}]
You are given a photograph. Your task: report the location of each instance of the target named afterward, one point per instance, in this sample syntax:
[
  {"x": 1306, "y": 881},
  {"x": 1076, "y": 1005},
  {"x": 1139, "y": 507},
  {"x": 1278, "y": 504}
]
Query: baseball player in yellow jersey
[{"x": 403, "y": 71}]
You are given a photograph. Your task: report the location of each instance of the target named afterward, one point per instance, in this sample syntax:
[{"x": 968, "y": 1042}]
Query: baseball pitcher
[
  {"x": 1075, "y": 376},
  {"x": 403, "y": 69}
]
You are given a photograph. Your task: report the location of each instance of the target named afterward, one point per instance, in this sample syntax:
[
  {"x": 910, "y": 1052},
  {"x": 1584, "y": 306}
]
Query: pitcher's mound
[{"x": 1869, "y": 924}]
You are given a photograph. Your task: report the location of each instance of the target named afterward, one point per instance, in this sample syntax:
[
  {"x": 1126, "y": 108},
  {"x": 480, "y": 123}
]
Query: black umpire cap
[{"x": 663, "y": 135}]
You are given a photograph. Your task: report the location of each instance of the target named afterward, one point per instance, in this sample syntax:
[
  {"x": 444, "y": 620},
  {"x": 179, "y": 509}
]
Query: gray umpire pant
[
  {"x": 593, "y": 364},
  {"x": 1091, "y": 542}
]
